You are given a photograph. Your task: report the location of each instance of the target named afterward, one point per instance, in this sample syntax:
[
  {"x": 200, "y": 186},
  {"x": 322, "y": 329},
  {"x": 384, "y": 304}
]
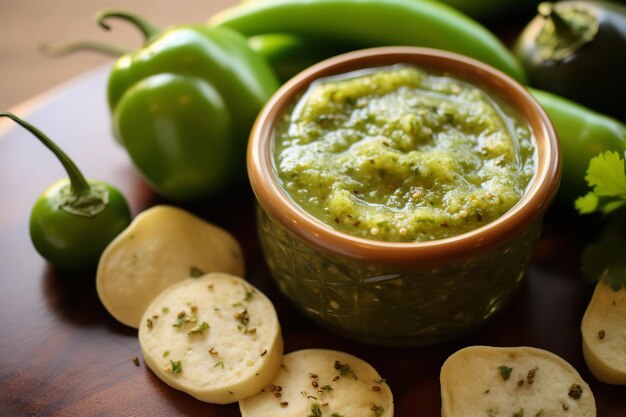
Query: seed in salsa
[{"x": 400, "y": 154}]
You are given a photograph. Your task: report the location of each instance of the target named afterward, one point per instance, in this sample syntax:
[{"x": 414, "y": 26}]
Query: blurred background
[{"x": 25, "y": 24}]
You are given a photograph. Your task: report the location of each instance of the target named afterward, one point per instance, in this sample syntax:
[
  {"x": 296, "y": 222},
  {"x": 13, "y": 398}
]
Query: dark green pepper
[
  {"x": 75, "y": 219},
  {"x": 183, "y": 105},
  {"x": 577, "y": 49}
]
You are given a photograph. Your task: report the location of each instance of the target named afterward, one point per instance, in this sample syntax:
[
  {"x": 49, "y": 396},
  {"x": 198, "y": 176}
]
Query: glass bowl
[{"x": 400, "y": 293}]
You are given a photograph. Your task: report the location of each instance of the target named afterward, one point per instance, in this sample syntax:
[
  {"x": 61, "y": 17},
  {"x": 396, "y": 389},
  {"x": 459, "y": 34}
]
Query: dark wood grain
[{"x": 61, "y": 354}]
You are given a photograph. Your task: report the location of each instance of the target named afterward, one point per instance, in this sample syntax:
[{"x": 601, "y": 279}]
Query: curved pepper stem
[
  {"x": 93, "y": 46},
  {"x": 570, "y": 30},
  {"x": 148, "y": 29},
  {"x": 79, "y": 185},
  {"x": 562, "y": 27}
]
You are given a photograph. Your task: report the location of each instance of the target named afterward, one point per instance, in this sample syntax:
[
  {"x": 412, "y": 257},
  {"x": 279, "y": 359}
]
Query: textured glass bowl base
[{"x": 389, "y": 306}]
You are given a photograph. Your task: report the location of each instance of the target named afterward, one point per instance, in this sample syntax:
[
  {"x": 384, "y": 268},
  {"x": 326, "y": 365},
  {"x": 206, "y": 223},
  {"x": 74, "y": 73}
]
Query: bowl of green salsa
[{"x": 400, "y": 191}]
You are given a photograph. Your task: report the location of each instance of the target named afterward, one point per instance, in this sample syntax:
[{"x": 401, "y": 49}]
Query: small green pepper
[
  {"x": 183, "y": 105},
  {"x": 75, "y": 219}
]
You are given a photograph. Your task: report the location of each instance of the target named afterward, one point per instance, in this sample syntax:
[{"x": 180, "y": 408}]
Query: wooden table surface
[{"x": 61, "y": 353}]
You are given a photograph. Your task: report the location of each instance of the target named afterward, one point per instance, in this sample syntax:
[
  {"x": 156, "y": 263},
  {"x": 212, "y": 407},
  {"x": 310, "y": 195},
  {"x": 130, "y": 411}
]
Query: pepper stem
[
  {"x": 562, "y": 27},
  {"x": 93, "y": 46},
  {"x": 148, "y": 29},
  {"x": 78, "y": 184}
]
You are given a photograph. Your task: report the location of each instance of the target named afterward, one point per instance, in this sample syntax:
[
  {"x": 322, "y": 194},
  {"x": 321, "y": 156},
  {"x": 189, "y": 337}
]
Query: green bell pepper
[{"x": 183, "y": 105}]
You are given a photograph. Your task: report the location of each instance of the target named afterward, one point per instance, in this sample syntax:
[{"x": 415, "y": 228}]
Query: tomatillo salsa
[{"x": 402, "y": 155}]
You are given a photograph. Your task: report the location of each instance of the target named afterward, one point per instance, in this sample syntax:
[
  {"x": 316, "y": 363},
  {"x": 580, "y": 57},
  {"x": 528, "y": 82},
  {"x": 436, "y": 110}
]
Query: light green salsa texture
[{"x": 402, "y": 155}]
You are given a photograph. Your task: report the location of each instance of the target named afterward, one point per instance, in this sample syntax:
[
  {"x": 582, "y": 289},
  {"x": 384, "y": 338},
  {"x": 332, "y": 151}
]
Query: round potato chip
[
  {"x": 512, "y": 382},
  {"x": 604, "y": 334},
  {"x": 320, "y": 382},
  {"x": 215, "y": 337},
  {"x": 161, "y": 246}
]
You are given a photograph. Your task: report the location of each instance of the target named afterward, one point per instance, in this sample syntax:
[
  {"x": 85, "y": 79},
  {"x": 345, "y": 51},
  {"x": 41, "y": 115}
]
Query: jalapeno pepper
[
  {"x": 373, "y": 23},
  {"x": 183, "y": 105},
  {"x": 75, "y": 219}
]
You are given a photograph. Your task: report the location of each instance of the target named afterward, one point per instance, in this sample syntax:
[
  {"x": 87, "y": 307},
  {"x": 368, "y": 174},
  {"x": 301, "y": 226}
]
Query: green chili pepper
[
  {"x": 75, "y": 219},
  {"x": 183, "y": 105},
  {"x": 582, "y": 134},
  {"x": 373, "y": 23}
]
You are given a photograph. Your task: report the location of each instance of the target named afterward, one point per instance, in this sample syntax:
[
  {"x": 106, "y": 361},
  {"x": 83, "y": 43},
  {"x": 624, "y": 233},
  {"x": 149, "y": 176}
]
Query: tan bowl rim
[{"x": 529, "y": 210}]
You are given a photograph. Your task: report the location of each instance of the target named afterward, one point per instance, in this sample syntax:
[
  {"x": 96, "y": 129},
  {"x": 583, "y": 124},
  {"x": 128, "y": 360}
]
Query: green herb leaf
[
  {"x": 248, "y": 293},
  {"x": 316, "y": 411},
  {"x": 177, "y": 367},
  {"x": 243, "y": 317},
  {"x": 195, "y": 272},
  {"x": 199, "y": 329},
  {"x": 344, "y": 369},
  {"x": 336, "y": 415},
  {"x": 326, "y": 388},
  {"x": 587, "y": 204},
  {"x": 220, "y": 364},
  {"x": 606, "y": 175},
  {"x": 607, "y": 179},
  {"x": 604, "y": 259},
  {"x": 505, "y": 372}
]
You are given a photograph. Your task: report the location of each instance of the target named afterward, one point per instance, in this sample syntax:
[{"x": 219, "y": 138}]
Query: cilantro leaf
[
  {"x": 606, "y": 175},
  {"x": 316, "y": 411},
  {"x": 604, "y": 259},
  {"x": 587, "y": 204},
  {"x": 608, "y": 181},
  {"x": 177, "y": 367}
]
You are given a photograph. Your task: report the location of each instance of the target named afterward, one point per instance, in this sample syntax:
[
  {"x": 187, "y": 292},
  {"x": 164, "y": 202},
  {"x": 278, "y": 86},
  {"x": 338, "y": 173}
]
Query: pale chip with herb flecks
[
  {"x": 604, "y": 334},
  {"x": 321, "y": 382},
  {"x": 512, "y": 382},
  {"x": 206, "y": 345}
]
